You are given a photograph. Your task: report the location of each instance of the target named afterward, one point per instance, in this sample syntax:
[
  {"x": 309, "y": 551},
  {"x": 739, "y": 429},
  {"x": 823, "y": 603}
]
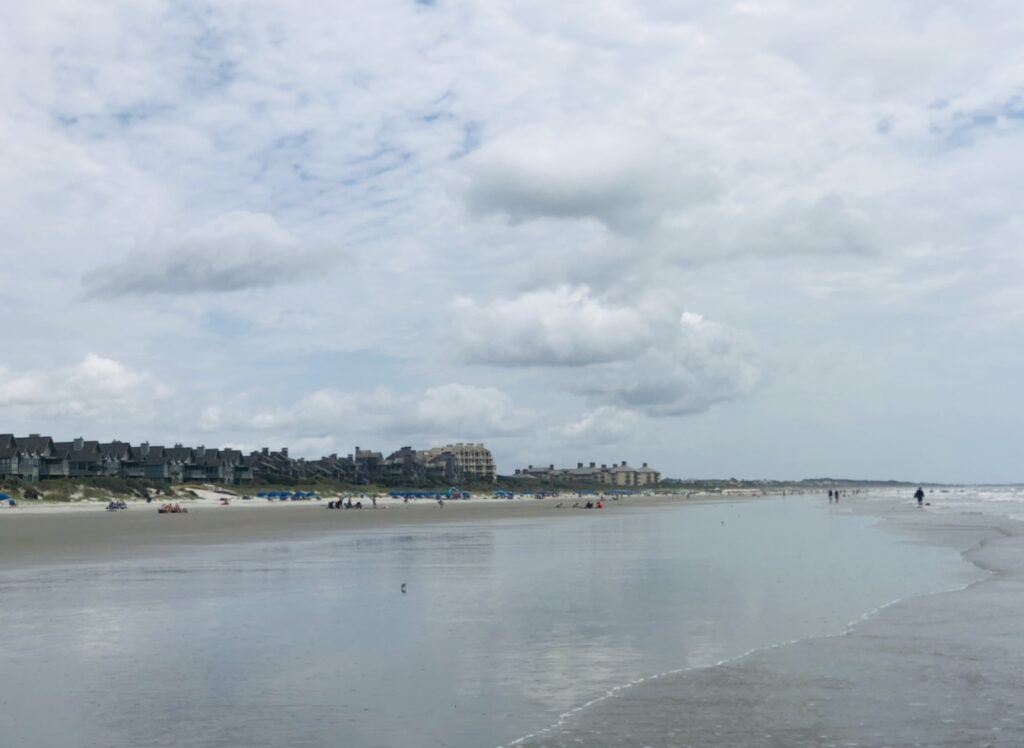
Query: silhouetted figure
[
  {"x": 403, "y": 588},
  {"x": 919, "y": 495},
  {"x": 830, "y": 496}
]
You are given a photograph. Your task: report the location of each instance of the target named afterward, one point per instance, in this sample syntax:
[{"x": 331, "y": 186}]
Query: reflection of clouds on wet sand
[
  {"x": 502, "y": 628},
  {"x": 938, "y": 669}
]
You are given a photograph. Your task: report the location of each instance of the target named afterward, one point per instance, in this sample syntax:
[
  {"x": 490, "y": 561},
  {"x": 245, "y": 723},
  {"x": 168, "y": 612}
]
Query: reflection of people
[{"x": 919, "y": 495}]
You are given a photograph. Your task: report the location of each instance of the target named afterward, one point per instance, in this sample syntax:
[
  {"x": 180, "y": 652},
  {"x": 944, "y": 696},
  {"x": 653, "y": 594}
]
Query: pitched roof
[
  {"x": 180, "y": 453},
  {"x": 156, "y": 456},
  {"x": 115, "y": 449},
  {"x": 34, "y": 444}
]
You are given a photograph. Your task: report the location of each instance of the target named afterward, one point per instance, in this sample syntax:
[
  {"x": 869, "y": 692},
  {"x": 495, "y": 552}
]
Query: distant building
[
  {"x": 475, "y": 460},
  {"x": 36, "y": 458},
  {"x": 622, "y": 475}
]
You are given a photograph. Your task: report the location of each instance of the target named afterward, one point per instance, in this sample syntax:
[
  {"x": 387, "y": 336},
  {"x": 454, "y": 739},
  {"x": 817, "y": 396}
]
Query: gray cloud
[
  {"x": 702, "y": 364},
  {"x": 236, "y": 251},
  {"x": 622, "y": 179},
  {"x": 647, "y": 356},
  {"x": 444, "y": 411}
]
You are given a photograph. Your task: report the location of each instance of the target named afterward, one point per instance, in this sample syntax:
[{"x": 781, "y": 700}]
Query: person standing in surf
[{"x": 919, "y": 495}]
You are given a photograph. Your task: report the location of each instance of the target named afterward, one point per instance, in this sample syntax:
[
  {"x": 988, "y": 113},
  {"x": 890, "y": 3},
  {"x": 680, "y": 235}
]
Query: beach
[
  {"x": 662, "y": 622},
  {"x": 931, "y": 670},
  {"x": 44, "y": 533}
]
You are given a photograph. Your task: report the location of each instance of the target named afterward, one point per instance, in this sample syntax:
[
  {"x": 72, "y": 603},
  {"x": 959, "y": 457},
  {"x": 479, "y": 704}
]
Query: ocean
[{"x": 670, "y": 625}]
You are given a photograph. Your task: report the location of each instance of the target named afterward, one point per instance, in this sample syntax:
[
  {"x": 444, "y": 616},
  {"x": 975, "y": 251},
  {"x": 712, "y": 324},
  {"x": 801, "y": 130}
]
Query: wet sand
[
  {"x": 936, "y": 670},
  {"x": 60, "y": 534}
]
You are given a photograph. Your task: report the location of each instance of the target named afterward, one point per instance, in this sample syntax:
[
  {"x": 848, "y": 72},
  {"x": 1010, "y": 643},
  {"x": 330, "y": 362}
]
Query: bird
[{"x": 403, "y": 588}]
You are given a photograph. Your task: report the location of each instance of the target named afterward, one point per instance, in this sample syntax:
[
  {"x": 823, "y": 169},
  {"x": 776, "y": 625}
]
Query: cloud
[
  {"x": 621, "y": 179},
  {"x": 564, "y": 326},
  {"x": 828, "y": 225},
  {"x": 647, "y": 356},
  {"x": 95, "y": 388},
  {"x": 704, "y": 363},
  {"x": 233, "y": 252},
  {"x": 603, "y": 425},
  {"x": 447, "y": 411},
  {"x": 560, "y": 169}
]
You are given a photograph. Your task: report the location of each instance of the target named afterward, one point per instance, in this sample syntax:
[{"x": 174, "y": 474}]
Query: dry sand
[{"x": 40, "y": 535}]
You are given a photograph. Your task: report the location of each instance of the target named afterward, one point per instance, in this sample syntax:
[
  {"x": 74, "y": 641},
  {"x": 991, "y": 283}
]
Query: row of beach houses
[
  {"x": 622, "y": 474},
  {"x": 37, "y": 458}
]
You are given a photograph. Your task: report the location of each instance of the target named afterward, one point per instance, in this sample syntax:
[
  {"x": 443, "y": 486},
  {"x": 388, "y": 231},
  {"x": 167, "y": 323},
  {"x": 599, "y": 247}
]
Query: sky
[{"x": 762, "y": 239}]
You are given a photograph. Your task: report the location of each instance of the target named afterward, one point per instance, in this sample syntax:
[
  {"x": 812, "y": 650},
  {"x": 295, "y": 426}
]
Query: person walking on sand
[{"x": 919, "y": 495}]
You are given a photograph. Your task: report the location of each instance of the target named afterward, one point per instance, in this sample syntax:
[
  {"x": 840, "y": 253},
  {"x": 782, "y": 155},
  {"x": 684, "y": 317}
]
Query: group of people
[
  {"x": 833, "y": 495},
  {"x": 599, "y": 504},
  {"x": 172, "y": 509},
  {"x": 114, "y": 506},
  {"x": 347, "y": 504}
]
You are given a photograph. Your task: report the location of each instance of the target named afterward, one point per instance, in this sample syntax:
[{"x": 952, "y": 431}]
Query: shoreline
[
  {"x": 42, "y": 535},
  {"x": 897, "y": 669}
]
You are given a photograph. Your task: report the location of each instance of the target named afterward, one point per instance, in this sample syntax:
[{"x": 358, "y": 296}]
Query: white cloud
[
  {"x": 95, "y": 388},
  {"x": 828, "y": 225},
  {"x": 233, "y": 252},
  {"x": 603, "y": 425},
  {"x": 648, "y": 356},
  {"x": 563, "y": 326},
  {"x": 805, "y": 172}
]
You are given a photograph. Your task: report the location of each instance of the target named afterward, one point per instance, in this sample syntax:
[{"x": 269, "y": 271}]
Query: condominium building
[
  {"x": 622, "y": 474},
  {"x": 475, "y": 459}
]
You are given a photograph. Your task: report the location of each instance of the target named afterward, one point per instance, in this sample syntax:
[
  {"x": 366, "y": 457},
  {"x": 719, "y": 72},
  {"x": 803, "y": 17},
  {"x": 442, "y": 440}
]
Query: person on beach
[
  {"x": 919, "y": 495},
  {"x": 830, "y": 496}
]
